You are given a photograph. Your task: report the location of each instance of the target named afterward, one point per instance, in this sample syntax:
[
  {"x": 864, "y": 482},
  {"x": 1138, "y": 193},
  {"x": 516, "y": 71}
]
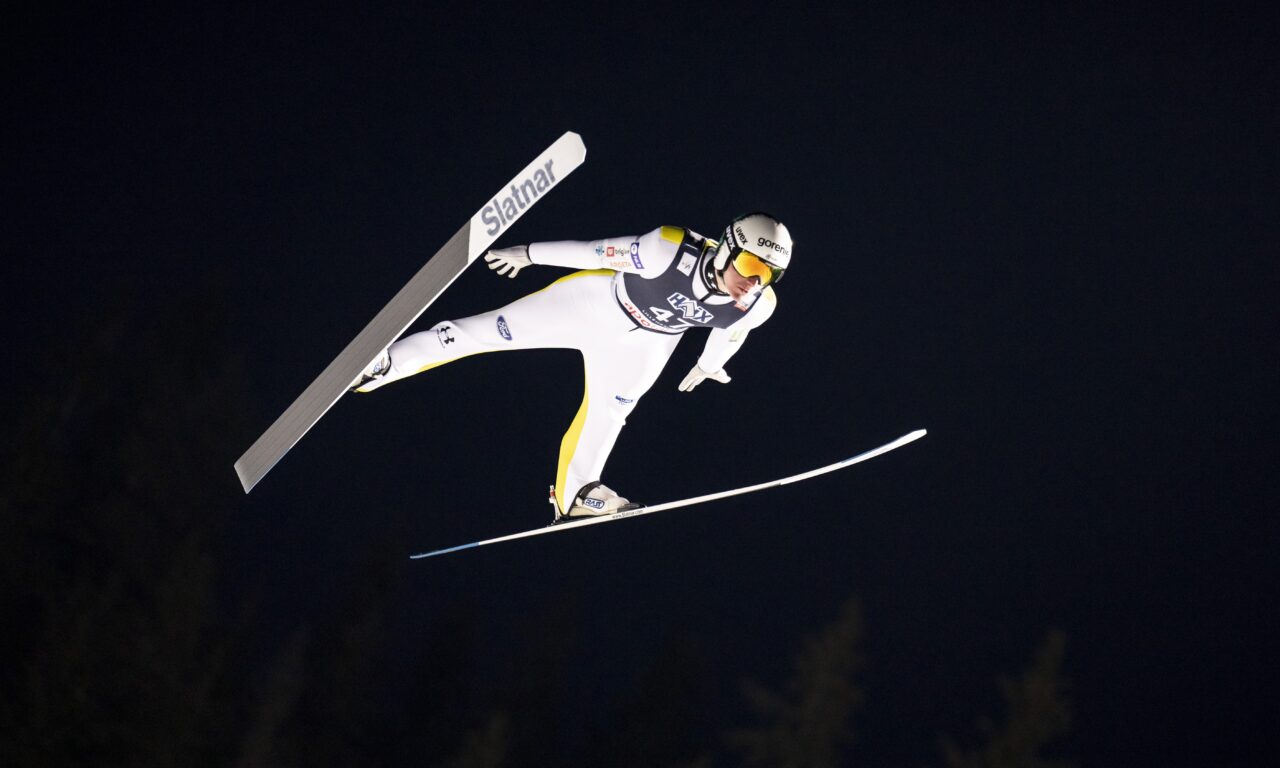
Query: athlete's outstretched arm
[
  {"x": 724, "y": 343},
  {"x": 648, "y": 255},
  {"x": 721, "y": 345}
]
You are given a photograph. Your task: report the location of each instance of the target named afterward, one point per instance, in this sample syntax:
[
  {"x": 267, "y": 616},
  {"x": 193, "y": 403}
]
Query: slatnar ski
[{"x": 466, "y": 245}]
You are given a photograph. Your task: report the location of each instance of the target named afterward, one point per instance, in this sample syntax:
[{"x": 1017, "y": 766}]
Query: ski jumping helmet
[{"x": 758, "y": 245}]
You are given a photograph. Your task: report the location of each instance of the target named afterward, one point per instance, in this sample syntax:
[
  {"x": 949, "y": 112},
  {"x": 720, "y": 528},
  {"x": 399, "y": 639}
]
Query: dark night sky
[{"x": 1049, "y": 237}]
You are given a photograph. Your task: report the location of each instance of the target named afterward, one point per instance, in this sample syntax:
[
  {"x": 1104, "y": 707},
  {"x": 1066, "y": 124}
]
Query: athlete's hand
[
  {"x": 508, "y": 261},
  {"x": 696, "y": 376}
]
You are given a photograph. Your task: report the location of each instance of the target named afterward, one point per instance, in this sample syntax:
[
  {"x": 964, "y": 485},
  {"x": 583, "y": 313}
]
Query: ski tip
[
  {"x": 572, "y": 140},
  {"x": 919, "y": 433}
]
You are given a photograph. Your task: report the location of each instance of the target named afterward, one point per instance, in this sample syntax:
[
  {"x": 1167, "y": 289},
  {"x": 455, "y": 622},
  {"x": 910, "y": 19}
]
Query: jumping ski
[
  {"x": 466, "y": 245},
  {"x": 901, "y": 441}
]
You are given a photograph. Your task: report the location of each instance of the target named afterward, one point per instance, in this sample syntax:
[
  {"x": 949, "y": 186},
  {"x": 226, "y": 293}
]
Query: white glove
[
  {"x": 696, "y": 376},
  {"x": 511, "y": 259}
]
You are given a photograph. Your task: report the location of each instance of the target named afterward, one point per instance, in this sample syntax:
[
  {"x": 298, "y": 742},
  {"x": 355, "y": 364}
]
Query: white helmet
[{"x": 757, "y": 245}]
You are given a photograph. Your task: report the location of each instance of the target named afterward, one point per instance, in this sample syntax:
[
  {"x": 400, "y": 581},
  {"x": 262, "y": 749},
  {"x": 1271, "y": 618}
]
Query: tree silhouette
[
  {"x": 1038, "y": 713},
  {"x": 533, "y": 696},
  {"x": 277, "y": 703},
  {"x": 485, "y": 746},
  {"x": 322, "y": 704},
  {"x": 438, "y": 715},
  {"x": 659, "y": 720},
  {"x": 110, "y": 518},
  {"x": 807, "y": 724}
]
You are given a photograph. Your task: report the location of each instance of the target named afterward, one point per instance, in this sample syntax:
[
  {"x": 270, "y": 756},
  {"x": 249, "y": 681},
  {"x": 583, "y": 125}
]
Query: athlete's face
[{"x": 737, "y": 286}]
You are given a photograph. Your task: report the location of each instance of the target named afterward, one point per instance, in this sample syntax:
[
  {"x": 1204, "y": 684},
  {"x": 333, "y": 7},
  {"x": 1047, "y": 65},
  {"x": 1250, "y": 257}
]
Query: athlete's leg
[
  {"x": 550, "y": 317},
  {"x": 617, "y": 373}
]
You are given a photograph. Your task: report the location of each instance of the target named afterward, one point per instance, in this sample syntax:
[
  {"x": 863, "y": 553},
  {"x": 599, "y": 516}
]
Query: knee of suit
[{"x": 620, "y": 407}]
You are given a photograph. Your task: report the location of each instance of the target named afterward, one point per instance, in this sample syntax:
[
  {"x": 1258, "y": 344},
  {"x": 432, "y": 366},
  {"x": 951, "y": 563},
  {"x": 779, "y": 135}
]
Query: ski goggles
[{"x": 750, "y": 265}]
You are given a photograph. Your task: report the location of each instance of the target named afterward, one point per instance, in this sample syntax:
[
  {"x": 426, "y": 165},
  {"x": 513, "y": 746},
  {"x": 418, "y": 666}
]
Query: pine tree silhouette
[
  {"x": 1037, "y": 714},
  {"x": 807, "y": 724},
  {"x": 110, "y": 517}
]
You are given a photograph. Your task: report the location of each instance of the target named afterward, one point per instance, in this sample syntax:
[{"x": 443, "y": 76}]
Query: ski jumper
[{"x": 626, "y": 312}]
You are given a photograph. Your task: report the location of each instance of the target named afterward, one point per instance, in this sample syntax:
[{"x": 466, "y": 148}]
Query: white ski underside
[
  {"x": 475, "y": 237},
  {"x": 871, "y": 454}
]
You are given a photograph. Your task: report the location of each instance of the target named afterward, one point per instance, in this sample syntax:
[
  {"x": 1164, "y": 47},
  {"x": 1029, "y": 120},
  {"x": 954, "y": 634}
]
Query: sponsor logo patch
[
  {"x": 593, "y": 503},
  {"x": 623, "y": 400},
  {"x": 503, "y": 329},
  {"x": 686, "y": 263},
  {"x": 637, "y": 314},
  {"x": 690, "y": 308},
  {"x": 635, "y": 255},
  {"x": 442, "y": 335}
]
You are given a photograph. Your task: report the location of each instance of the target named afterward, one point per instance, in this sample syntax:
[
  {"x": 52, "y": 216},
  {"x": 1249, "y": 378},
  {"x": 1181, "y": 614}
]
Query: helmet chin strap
[{"x": 709, "y": 278}]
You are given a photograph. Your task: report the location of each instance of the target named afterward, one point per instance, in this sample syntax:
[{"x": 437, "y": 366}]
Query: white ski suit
[{"x": 626, "y": 313}]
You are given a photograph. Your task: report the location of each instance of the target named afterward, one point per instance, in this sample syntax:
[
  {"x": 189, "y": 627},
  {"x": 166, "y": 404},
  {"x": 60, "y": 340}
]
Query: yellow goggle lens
[{"x": 750, "y": 265}]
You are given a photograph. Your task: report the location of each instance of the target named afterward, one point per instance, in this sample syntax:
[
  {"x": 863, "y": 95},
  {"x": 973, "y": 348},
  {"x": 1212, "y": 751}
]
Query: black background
[{"x": 1047, "y": 236}]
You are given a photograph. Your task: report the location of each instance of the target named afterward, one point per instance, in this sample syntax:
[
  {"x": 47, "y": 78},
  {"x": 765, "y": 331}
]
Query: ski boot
[
  {"x": 594, "y": 500},
  {"x": 376, "y": 372}
]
